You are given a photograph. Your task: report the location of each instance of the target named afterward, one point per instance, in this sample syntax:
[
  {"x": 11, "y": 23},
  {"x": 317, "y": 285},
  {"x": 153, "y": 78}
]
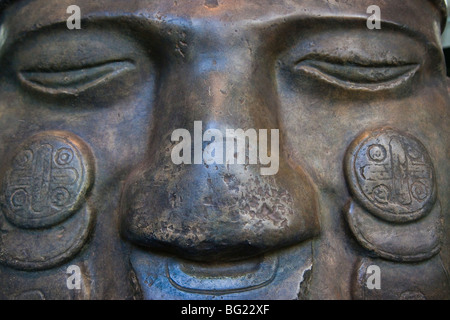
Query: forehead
[{"x": 419, "y": 16}]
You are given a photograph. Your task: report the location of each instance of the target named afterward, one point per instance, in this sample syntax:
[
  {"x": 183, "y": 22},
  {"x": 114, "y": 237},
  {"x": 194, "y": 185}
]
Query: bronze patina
[{"x": 88, "y": 182}]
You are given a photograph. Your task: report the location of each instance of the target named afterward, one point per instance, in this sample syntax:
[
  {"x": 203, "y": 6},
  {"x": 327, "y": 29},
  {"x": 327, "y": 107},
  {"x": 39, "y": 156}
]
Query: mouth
[
  {"x": 221, "y": 279},
  {"x": 169, "y": 277}
]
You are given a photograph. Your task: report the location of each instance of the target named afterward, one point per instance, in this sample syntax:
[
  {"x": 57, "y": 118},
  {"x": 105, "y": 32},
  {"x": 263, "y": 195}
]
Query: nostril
[{"x": 218, "y": 212}]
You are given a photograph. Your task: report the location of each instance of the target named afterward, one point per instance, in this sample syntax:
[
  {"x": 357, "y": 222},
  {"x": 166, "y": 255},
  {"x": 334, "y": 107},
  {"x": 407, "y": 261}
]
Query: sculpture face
[{"x": 86, "y": 155}]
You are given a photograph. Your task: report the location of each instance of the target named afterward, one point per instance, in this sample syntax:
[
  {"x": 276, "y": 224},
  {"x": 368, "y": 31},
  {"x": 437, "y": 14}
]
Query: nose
[{"x": 213, "y": 211}]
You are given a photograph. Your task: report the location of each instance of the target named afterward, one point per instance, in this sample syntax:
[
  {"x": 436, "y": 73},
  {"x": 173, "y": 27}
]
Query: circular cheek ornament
[
  {"x": 391, "y": 175},
  {"x": 47, "y": 179},
  {"x": 45, "y": 219},
  {"x": 393, "y": 212}
]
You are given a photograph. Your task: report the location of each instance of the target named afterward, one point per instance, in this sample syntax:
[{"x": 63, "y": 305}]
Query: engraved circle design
[
  {"x": 47, "y": 180},
  {"x": 391, "y": 174},
  {"x": 377, "y": 153}
]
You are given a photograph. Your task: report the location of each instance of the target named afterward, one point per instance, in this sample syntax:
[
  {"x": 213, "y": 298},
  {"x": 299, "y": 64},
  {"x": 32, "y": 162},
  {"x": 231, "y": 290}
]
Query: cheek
[
  {"x": 114, "y": 123},
  {"x": 319, "y": 128}
]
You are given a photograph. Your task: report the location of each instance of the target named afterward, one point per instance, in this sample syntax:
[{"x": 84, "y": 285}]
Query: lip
[{"x": 263, "y": 274}]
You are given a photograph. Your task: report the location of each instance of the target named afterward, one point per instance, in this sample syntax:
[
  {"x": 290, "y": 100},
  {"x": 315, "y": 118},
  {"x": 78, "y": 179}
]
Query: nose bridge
[{"x": 224, "y": 87}]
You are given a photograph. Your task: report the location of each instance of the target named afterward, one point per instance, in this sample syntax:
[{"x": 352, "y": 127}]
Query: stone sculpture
[{"x": 88, "y": 182}]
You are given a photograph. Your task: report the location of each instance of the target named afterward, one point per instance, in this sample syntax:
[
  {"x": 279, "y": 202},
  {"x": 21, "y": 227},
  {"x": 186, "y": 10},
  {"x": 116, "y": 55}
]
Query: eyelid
[
  {"x": 361, "y": 75},
  {"x": 74, "y": 81}
]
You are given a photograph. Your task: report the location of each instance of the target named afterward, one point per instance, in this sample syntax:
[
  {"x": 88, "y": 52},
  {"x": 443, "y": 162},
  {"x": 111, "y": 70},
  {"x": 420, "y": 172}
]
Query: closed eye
[
  {"x": 367, "y": 77},
  {"x": 74, "y": 81}
]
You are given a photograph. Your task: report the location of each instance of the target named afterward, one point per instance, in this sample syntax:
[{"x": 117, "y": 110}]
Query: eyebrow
[
  {"x": 287, "y": 22},
  {"x": 440, "y": 5},
  {"x": 284, "y": 23}
]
